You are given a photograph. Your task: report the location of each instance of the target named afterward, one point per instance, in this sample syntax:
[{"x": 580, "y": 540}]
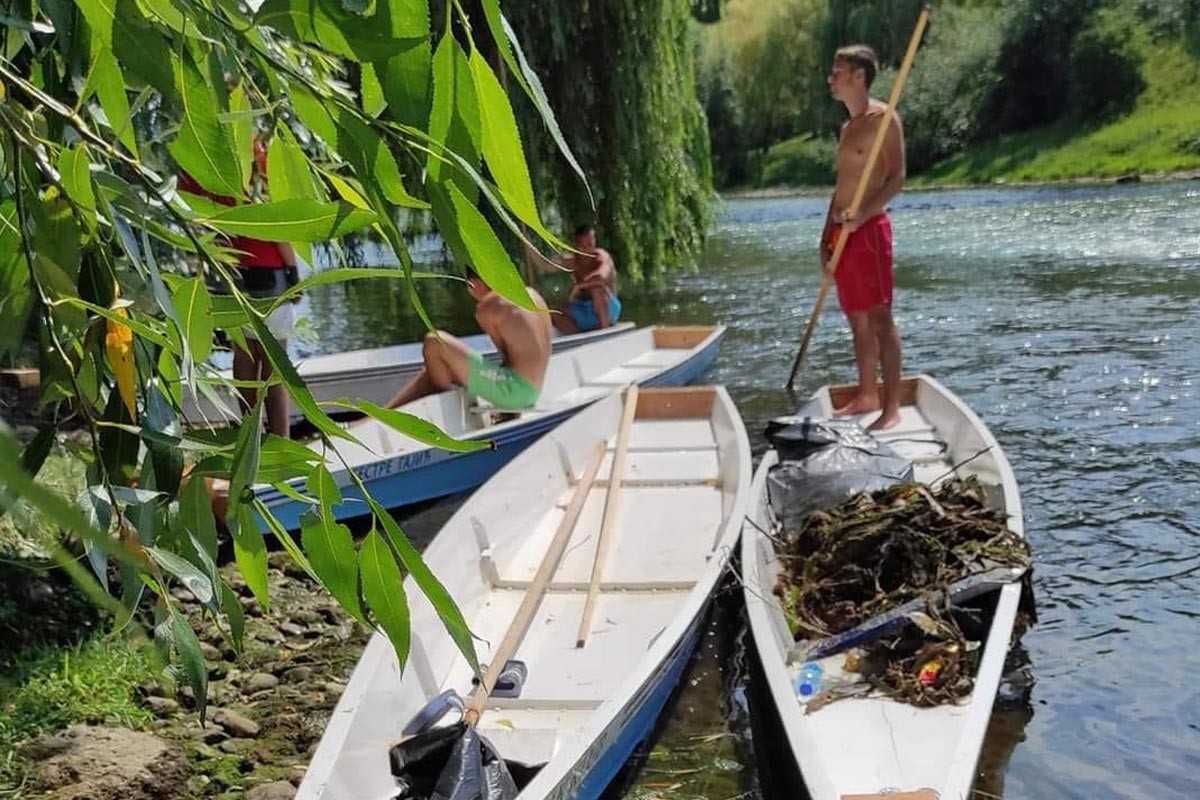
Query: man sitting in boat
[
  {"x": 592, "y": 303},
  {"x": 522, "y": 338}
]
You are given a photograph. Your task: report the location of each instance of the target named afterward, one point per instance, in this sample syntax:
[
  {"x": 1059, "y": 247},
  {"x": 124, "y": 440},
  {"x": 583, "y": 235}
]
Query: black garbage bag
[
  {"x": 455, "y": 763},
  {"x": 823, "y": 462}
]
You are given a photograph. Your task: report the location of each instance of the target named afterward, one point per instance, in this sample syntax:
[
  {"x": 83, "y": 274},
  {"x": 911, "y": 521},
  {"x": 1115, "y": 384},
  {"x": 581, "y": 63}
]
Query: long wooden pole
[
  {"x": 860, "y": 192},
  {"x": 612, "y": 505},
  {"x": 533, "y": 595}
]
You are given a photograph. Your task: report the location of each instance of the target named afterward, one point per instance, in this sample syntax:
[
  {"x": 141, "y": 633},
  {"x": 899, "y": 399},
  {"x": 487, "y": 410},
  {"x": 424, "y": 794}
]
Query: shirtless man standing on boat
[
  {"x": 592, "y": 303},
  {"x": 864, "y": 274},
  {"x": 522, "y": 338}
]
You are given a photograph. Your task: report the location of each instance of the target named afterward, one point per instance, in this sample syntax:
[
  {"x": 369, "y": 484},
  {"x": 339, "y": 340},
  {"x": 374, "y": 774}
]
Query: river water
[{"x": 1067, "y": 318}]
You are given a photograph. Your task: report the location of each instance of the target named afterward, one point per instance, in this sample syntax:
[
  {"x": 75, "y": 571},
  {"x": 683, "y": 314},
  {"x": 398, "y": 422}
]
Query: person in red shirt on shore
[{"x": 265, "y": 270}]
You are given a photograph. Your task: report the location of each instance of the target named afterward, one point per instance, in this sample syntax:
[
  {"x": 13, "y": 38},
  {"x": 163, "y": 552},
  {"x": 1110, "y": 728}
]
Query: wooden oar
[
  {"x": 876, "y": 146},
  {"x": 611, "y": 509},
  {"x": 537, "y": 588}
]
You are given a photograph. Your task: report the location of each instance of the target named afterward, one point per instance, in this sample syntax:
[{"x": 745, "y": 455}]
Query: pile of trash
[{"x": 878, "y": 575}]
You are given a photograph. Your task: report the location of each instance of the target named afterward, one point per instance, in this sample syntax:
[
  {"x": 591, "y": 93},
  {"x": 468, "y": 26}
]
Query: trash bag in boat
[
  {"x": 825, "y": 461},
  {"x": 455, "y": 763}
]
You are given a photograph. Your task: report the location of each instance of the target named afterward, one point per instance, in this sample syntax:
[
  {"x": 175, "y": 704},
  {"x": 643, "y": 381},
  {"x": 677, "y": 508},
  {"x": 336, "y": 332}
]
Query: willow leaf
[
  {"x": 487, "y": 254},
  {"x": 191, "y": 659},
  {"x": 417, "y": 428},
  {"x": 193, "y": 306},
  {"x": 204, "y": 147},
  {"x": 295, "y": 220},
  {"x": 383, "y": 586},
  {"x": 330, "y": 549}
]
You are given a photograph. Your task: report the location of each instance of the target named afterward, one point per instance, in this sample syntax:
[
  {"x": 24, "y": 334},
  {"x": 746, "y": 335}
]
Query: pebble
[
  {"x": 183, "y": 595},
  {"x": 234, "y": 723},
  {"x": 210, "y": 653},
  {"x": 162, "y": 706},
  {"x": 260, "y": 682},
  {"x": 278, "y": 790},
  {"x": 334, "y": 688},
  {"x": 291, "y": 629},
  {"x": 298, "y": 674}
]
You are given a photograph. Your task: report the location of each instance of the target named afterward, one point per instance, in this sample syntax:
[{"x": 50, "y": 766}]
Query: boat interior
[{"x": 677, "y": 489}]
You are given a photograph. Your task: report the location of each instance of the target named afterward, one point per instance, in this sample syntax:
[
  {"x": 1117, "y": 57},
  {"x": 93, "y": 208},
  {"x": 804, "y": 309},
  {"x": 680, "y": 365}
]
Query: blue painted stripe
[{"x": 641, "y": 723}]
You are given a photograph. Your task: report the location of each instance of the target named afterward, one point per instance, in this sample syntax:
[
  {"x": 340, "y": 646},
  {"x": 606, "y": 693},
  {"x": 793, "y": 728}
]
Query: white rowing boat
[
  {"x": 683, "y": 484},
  {"x": 866, "y": 745},
  {"x": 374, "y": 374},
  {"x": 399, "y": 471}
]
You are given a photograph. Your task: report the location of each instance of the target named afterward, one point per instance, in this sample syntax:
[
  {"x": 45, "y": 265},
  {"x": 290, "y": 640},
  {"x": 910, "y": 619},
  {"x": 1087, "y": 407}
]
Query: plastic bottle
[{"x": 808, "y": 682}]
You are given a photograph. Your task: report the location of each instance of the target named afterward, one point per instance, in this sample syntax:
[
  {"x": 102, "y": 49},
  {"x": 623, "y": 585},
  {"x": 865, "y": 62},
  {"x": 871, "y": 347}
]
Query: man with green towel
[{"x": 521, "y": 336}]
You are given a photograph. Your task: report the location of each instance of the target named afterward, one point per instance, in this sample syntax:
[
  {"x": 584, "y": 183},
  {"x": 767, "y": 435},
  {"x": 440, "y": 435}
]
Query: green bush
[
  {"x": 1106, "y": 66},
  {"x": 803, "y": 161},
  {"x": 950, "y": 83}
]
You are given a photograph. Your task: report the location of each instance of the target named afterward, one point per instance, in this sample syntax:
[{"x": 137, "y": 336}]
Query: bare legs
[
  {"x": 447, "y": 364},
  {"x": 876, "y": 342},
  {"x": 255, "y": 366}
]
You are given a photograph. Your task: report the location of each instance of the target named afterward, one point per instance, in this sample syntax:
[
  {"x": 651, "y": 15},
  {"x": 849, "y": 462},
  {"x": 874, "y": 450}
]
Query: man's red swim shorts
[{"x": 864, "y": 274}]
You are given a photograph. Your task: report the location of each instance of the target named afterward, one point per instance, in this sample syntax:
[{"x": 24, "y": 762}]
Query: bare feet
[
  {"x": 861, "y": 404},
  {"x": 888, "y": 419}
]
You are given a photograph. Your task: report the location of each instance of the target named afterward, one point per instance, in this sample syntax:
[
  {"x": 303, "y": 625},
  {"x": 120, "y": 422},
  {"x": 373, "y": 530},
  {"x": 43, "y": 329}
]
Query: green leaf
[
  {"x": 417, "y": 428},
  {"x": 242, "y": 129},
  {"x": 191, "y": 658},
  {"x": 344, "y": 274},
  {"x": 487, "y": 254},
  {"x": 140, "y": 47},
  {"x": 16, "y": 299},
  {"x": 250, "y": 552},
  {"x": 237, "y": 617},
  {"x": 454, "y": 122},
  {"x": 193, "y": 305},
  {"x": 99, "y": 15},
  {"x": 108, "y": 82},
  {"x": 372, "y": 161},
  {"x": 204, "y": 147},
  {"x": 56, "y": 239},
  {"x": 188, "y": 573},
  {"x": 407, "y": 81},
  {"x": 502, "y": 144},
  {"x": 296, "y": 388},
  {"x": 312, "y": 112},
  {"x": 283, "y": 460},
  {"x": 142, "y": 329},
  {"x": 288, "y": 175},
  {"x": 245, "y": 463},
  {"x": 195, "y": 511},
  {"x": 73, "y": 167},
  {"x": 327, "y": 24},
  {"x": 447, "y": 610},
  {"x": 330, "y": 549},
  {"x": 372, "y": 93},
  {"x": 295, "y": 220},
  {"x": 321, "y": 485},
  {"x": 506, "y": 41},
  {"x": 383, "y": 586}
]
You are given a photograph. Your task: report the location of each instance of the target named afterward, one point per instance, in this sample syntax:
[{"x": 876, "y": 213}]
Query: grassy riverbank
[{"x": 1159, "y": 137}]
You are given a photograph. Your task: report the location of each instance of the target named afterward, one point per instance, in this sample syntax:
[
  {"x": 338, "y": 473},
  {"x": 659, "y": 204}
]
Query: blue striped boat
[
  {"x": 399, "y": 471},
  {"x": 375, "y": 374}
]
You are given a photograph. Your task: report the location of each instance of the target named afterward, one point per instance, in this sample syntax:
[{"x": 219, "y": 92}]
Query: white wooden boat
[
  {"x": 374, "y": 374},
  {"x": 684, "y": 483},
  {"x": 398, "y": 471},
  {"x": 864, "y": 745}
]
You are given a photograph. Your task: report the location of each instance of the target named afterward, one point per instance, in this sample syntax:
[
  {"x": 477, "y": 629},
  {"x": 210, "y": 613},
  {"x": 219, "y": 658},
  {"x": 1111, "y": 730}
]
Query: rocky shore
[{"x": 267, "y": 709}]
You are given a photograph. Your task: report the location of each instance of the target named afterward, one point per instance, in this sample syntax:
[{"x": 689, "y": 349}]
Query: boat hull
[{"x": 862, "y": 745}]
